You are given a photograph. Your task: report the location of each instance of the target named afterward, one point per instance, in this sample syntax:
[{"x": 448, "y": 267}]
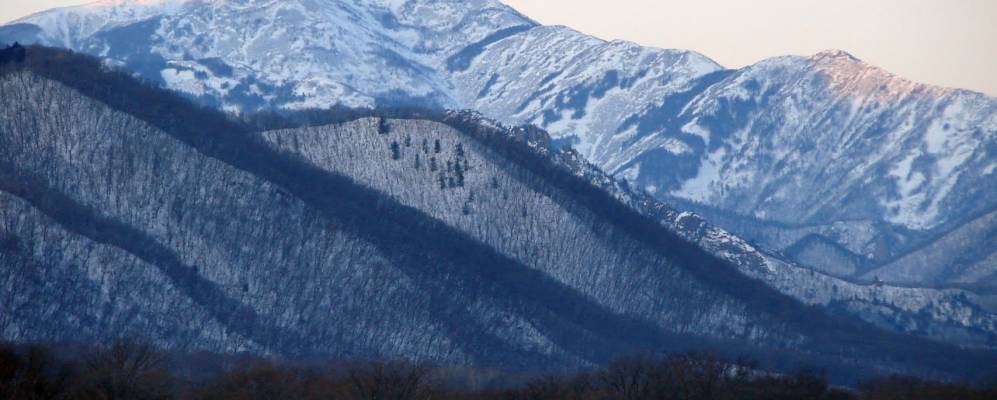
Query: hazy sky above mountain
[{"x": 944, "y": 42}]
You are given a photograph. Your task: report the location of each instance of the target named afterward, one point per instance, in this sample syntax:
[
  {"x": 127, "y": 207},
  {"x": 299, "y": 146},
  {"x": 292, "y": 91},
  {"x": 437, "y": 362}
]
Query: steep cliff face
[{"x": 334, "y": 241}]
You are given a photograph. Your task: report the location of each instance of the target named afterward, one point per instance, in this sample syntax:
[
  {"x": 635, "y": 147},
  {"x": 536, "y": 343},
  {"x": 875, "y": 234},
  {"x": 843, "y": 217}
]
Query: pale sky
[{"x": 950, "y": 43}]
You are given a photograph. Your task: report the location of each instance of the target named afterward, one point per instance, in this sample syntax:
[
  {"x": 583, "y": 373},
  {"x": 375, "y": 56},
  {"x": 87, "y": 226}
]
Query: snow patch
[
  {"x": 699, "y": 189},
  {"x": 182, "y": 80},
  {"x": 693, "y": 128},
  {"x": 631, "y": 174},
  {"x": 907, "y": 183}
]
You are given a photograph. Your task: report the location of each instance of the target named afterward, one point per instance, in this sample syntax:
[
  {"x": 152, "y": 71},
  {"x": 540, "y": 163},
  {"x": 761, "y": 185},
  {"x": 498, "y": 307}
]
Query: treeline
[{"x": 137, "y": 371}]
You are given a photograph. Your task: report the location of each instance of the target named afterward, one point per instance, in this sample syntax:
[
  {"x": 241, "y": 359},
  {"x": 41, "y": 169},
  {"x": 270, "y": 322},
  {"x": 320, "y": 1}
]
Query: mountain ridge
[
  {"x": 174, "y": 226},
  {"x": 661, "y": 147},
  {"x": 835, "y": 159}
]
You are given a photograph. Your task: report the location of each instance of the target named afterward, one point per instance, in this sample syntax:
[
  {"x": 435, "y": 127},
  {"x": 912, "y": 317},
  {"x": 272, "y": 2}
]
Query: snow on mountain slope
[
  {"x": 296, "y": 252},
  {"x": 578, "y": 87},
  {"x": 828, "y": 157},
  {"x": 241, "y": 242},
  {"x": 70, "y": 27},
  {"x": 471, "y": 187},
  {"x": 251, "y": 54},
  {"x": 872, "y": 161},
  {"x": 972, "y": 245},
  {"x": 494, "y": 194},
  {"x": 344, "y": 241},
  {"x": 219, "y": 258},
  {"x": 776, "y": 128},
  {"x": 953, "y": 315}
]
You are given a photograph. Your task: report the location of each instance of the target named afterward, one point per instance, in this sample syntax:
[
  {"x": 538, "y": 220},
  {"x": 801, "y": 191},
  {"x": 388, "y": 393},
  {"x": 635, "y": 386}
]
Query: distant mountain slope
[
  {"x": 839, "y": 164},
  {"x": 271, "y": 248},
  {"x": 972, "y": 246},
  {"x": 950, "y": 315},
  {"x": 831, "y": 141},
  {"x": 248, "y": 55}
]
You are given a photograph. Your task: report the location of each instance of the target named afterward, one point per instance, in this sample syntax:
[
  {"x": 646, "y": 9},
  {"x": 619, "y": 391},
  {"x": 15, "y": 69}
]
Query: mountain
[
  {"x": 834, "y": 149},
  {"x": 252, "y": 54},
  {"x": 832, "y": 162},
  {"x": 972, "y": 245},
  {"x": 127, "y": 210}
]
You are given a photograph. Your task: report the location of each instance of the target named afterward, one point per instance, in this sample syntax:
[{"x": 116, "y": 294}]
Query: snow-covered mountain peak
[
  {"x": 849, "y": 76},
  {"x": 835, "y": 54}
]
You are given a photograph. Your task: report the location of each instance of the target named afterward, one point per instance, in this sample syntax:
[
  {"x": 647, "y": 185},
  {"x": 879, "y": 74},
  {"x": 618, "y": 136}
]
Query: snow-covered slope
[
  {"x": 579, "y": 88},
  {"x": 972, "y": 246},
  {"x": 441, "y": 237},
  {"x": 835, "y": 162},
  {"x": 954, "y": 315},
  {"x": 250, "y": 54},
  {"x": 334, "y": 241},
  {"x": 830, "y": 141}
]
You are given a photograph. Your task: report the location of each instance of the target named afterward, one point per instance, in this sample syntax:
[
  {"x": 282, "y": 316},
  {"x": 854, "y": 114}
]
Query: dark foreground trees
[
  {"x": 125, "y": 370},
  {"x": 133, "y": 370},
  {"x": 29, "y": 373}
]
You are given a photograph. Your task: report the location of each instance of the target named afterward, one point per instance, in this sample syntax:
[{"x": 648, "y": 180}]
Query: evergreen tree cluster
[
  {"x": 12, "y": 54},
  {"x": 457, "y": 167}
]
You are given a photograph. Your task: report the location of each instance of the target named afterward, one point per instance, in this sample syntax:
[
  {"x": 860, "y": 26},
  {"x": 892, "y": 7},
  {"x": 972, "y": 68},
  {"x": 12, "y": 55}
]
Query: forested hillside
[
  {"x": 129, "y": 211},
  {"x": 834, "y": 162}
]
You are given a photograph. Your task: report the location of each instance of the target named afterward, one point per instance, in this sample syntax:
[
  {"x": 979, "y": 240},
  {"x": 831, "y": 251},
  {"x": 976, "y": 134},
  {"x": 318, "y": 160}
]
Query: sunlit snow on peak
[{"x": 848, "y": 75}]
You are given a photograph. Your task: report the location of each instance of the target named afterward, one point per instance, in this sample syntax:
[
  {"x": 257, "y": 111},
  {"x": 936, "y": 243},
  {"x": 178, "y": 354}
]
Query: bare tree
[
  {"x": 126, "y": 370},
  {"x": 693, "y": 376},
  {"x": 26, "y": 374},
  {"x": 395, "y": 380},
  {"x": 546, "y": 388},
  {"x": 259, "y": 380},
  {"x": 630, "y": 378}
]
